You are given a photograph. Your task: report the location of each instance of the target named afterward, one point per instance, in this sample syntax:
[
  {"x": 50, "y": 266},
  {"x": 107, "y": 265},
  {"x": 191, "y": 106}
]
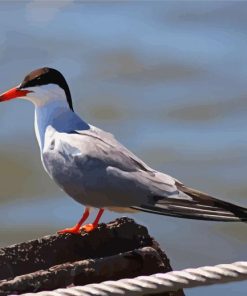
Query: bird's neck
[{"x": 57, "y": 115}]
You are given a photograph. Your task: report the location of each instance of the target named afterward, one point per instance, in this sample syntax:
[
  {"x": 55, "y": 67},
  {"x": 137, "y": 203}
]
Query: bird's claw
[
  {"x": 74, "y": 230},
  {"x": 88, "y": 227}
]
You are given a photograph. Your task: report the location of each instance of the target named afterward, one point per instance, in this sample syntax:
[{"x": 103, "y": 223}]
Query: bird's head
[{"x": 40, "y": 87}]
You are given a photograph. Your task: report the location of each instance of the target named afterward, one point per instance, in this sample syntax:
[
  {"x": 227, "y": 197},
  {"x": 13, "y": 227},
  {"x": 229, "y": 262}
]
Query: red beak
[{"x": 13, "y": 93}]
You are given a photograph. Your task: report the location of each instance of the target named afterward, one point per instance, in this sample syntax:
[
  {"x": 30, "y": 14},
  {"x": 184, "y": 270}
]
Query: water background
[{"x": 167, "y": 78}]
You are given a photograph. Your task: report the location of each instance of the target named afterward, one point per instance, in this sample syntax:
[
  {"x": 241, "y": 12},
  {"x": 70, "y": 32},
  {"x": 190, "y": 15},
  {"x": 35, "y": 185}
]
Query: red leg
[
  {"x": 76, "y": 228},
  {"x": 90, "y": 227}
]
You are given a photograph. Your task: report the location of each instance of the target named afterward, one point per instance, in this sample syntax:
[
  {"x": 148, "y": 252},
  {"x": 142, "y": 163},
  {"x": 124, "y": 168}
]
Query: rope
[{"x": 158, "y": 283}]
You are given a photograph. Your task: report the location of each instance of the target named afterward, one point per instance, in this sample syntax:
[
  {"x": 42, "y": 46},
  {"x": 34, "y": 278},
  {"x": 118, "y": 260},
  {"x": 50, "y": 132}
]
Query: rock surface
[{"x": 119, "y": 249}]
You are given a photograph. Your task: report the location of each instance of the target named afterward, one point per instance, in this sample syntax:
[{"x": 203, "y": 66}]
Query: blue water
[{"x": 167, "y": 78}]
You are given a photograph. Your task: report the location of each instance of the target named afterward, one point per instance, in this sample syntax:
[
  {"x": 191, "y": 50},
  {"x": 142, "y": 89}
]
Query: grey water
[{"x": 167, "y": 78}]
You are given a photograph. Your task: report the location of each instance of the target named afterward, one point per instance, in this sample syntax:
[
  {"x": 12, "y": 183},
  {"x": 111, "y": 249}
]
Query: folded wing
[
  {"x": 130, "y": 182},
  {"x": 200, "y": 206}
]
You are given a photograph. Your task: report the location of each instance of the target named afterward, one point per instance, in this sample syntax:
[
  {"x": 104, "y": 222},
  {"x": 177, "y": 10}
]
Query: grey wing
[
  {"x": 123, "y": 180},
  {"x": 112, "y": 175},
  {"x": 110, "y": 140},
  {"x": 199, "y": 205}
]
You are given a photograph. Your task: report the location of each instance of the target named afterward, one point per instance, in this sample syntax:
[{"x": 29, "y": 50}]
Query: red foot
[
  {"x": 75, "y": 230},
  {"x": 88, "y": 227}
]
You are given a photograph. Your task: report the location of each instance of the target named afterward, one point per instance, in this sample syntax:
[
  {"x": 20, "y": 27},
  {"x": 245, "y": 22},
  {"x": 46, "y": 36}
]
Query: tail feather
[{"x": 199, "y": 205}]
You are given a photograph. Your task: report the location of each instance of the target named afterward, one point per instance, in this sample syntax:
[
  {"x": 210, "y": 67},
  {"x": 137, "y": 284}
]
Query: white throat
[{"x": 43, "y": 94}]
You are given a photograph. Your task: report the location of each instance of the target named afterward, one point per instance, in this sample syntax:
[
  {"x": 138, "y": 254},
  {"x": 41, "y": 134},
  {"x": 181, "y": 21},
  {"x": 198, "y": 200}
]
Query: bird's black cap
[{"x": 44, "y": 76}]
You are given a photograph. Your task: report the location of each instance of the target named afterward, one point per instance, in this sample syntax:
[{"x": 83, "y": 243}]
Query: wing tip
[{"x": 216, "y": 217}]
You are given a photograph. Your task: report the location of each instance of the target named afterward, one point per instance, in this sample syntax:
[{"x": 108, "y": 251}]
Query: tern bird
[{"x": 92, "y": 167}]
